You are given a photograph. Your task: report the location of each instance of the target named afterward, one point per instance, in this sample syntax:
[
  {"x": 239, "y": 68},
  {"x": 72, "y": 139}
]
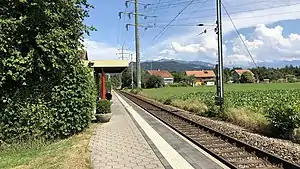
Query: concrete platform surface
[{"x": 119, "y": 144}]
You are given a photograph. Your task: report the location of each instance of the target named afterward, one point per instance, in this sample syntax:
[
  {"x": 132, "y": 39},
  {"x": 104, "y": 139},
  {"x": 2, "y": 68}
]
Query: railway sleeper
[
  {"x": 199, "y": 139},
  {"x": 208, "y": 141},
  {"x": 218, "y": 145},
  {"x": 239, "y": 154},
  {"x": 226, "y": 150},
  {"x": 189, "y": 130},
  {"x": 256, "y": 165},
  {"x": 195, "y": 134},
  {"x": 238, "y": 159}
]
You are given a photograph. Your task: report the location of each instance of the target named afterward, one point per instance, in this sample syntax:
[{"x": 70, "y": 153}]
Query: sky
[{"x": 269, "y": 29}]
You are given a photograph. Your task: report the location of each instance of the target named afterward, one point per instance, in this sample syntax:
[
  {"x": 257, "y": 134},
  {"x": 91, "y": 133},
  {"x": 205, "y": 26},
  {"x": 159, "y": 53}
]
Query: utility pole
[
  {"x": 220, "y": 82},
  {"x": 131, "y": 64},
  {"x": 137, "y": 46},
  {"x": 122, "y": 53},
  {"x": 137, "y": 38}
]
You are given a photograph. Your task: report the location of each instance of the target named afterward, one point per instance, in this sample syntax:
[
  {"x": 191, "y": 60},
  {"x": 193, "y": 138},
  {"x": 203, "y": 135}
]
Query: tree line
[{"x": 290, "y": 73}]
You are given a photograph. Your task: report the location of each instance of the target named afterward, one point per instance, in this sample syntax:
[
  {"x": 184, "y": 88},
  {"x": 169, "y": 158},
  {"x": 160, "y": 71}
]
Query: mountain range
[
  {"x": 181, "y": 65},
  {"x": 176, "y": 65}
]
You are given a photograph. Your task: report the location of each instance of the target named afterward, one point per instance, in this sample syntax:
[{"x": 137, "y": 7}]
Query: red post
[{"x": 103, "y": 90}]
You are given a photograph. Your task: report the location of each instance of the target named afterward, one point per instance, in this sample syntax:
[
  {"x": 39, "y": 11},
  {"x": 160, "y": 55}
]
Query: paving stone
[
  {"x": 131, "y": 165},
  {"x": 120, "y": 144},
  {"x": 139, "y": 167},
  {"x": 150, "y": 166}
]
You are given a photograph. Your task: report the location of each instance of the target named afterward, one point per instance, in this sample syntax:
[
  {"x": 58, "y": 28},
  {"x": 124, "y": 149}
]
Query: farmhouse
[
  {"x": 166, "y": 75},
  {"x": 236, "y": 74},
  {"x": 207, "y": 77}
]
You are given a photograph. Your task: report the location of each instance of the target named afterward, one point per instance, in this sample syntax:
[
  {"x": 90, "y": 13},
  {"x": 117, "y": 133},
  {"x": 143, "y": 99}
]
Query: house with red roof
[
  {"x": 236, "y": 74},
  {"x": 166, "y": 75},
  {"x": 203, "y": 77}
]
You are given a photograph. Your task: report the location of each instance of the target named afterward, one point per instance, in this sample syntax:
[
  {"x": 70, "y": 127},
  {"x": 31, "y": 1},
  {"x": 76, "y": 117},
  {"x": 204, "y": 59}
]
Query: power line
[
  {"x": 209, "y": 16},
  {"x": 161, "y": 32},
  {"x": 179, "y": 25},
  {"x": 153, "y": 13},
  {"x": 192, "y": 13},
  {"x": 167, "y": 2},
  {"x": 174, "y": 4},
  {"x": 120, "y": 37},
  {"x": 239, "y": 35},
  {"x": 236, "y": 5},
  {"x": 124, "y": 32}
]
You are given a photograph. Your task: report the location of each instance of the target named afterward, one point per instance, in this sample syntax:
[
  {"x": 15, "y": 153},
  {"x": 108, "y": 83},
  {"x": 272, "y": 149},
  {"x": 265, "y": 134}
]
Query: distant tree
[
  {"x": 227, "y": 74},
  {"x": 178, "y": 76},
  {"x": 247, "y": 77},
  {"x": 115, "y": 81},
  {"x": 126, "y": 79},
  {"x": 154, "y": 82},
  {"x": 190, "y": 79}
]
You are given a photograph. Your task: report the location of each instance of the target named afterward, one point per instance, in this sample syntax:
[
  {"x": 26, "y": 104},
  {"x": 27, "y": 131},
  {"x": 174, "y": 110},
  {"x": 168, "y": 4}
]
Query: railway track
[{"x": 233, "y": 153}]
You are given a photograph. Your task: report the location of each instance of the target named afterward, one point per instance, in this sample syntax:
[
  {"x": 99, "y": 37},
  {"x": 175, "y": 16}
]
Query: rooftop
[
  {"x": 241, "y": 71},
  {"x": 109, "y": 66},
  {"x": 162, "y": 73},
  {"x": 201, "y": 73}
]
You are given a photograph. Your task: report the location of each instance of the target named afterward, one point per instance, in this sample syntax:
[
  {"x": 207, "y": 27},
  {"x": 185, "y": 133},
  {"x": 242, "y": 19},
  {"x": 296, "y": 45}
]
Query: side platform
[{"x": 135, "y": 139}]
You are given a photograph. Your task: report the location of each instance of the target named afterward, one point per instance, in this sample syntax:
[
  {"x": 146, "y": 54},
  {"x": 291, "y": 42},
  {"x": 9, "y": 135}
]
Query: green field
[
  {"x": 177, "y": 91},
  {"x": 253, "y": 106}
]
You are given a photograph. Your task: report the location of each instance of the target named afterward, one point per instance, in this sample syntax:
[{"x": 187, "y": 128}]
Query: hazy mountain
[
  {"x": 181, "y": 65},
  {"x": 175, "y": 65},
  {"x": 275, "y": 64},
  {"x": 280, "y": 63}
]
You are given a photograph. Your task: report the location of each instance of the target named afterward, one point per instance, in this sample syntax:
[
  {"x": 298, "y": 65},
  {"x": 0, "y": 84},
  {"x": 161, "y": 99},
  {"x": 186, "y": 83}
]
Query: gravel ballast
[{"x": 283, "y": 148}]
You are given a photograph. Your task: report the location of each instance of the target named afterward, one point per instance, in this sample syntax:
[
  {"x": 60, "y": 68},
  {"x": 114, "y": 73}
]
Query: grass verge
[{"x": 70, "y": 153}]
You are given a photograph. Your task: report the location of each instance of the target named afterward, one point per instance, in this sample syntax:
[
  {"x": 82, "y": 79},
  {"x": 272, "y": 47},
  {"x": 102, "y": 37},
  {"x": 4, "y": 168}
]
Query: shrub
[
  {"x": 191, "y": 105},
  {"x": 168, "y": 101},
  {"x": 247, "y": 118},
  {"x": 154, "y": 82},
  {"x": 180, "y": 84},
  {"x": 103, "y": 107},
  {"x": 136, "y": 91},
  {"x": 247, "y": 77},
  {"x": 285, "y": 118}
]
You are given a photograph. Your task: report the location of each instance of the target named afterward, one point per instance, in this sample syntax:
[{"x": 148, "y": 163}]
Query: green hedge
[
  {"x": 45, "y": 90},
  {"x": 65, "y": 110}
]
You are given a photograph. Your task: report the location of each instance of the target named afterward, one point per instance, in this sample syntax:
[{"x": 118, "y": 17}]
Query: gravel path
[{"x": 285, "y": 149}]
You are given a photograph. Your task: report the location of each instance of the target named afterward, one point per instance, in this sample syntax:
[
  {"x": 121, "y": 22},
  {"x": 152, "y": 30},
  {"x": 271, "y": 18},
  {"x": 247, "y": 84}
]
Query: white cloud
[
  {"x": 167, "y": 52},
  {"x": 268, "y": 44},
  {"x": 102, "y": 51},
  {"x": 192, "y": 48}
]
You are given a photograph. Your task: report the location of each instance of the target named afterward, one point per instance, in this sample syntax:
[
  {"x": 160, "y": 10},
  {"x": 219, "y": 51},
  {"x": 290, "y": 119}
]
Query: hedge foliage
[{"x": 45, "y": 90}]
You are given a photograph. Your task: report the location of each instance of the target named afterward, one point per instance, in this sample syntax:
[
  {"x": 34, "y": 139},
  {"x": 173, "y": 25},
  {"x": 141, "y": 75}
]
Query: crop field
[
  {"x": 178, "y": 91},
  {"x": 248, "y": 105},
  {"x": 257, "y": 97}
]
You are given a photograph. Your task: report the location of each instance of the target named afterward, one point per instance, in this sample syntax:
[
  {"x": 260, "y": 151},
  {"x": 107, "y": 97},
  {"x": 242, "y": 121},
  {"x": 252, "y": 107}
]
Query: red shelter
[{"x": 101, "y": 67}]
